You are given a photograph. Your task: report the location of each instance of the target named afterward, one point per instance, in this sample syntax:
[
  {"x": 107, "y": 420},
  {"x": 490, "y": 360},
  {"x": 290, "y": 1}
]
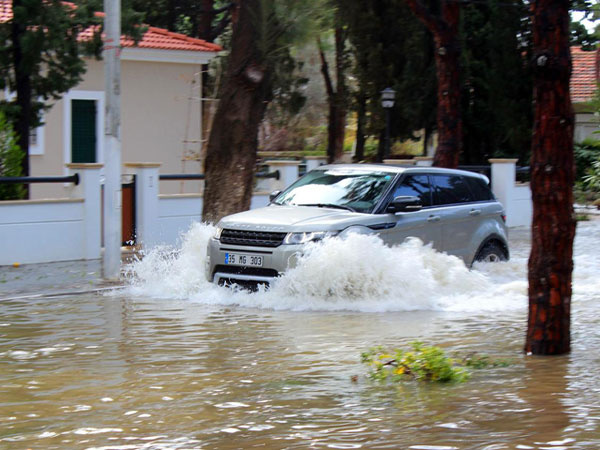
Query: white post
[
  {"x": 504, "y": 173},
  {"x": 89, "y": 189},
  {"x": 112, "y": 140},
  {"x": 423, "y": 161},
  {"x": 288, "y": 173},
  {"x": 312, "y": 162},
  {"x": 146, "y": 202}
]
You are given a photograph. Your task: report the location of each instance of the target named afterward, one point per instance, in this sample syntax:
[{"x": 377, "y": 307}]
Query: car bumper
[{"x": 275, "y": 261}]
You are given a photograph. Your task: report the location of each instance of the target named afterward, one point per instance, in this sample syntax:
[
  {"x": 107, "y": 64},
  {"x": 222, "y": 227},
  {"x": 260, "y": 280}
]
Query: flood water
[{"x": 171, "y": 362}]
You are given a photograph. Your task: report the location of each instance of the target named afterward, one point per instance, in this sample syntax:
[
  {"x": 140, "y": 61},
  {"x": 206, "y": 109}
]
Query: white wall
[
  {"x": 41, "y": 231},
  {"x": 515, "y": 197},
  {"x": 176, "y": 213}
]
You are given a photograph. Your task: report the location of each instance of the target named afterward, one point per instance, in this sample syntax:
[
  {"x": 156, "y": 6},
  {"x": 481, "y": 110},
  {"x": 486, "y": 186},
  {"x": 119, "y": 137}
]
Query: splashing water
[{"x": 359, "y": 273}]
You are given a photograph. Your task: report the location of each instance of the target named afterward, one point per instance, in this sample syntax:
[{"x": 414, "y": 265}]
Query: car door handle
[
  {"x": 475, "y": 212},
  {"x": 434, "y": 219}
]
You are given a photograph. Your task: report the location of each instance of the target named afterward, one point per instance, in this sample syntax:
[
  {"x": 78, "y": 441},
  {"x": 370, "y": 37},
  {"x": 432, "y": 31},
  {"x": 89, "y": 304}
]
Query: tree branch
[
  {"x": 431, "y": 22},
  {"x": 325, "y": 71}
]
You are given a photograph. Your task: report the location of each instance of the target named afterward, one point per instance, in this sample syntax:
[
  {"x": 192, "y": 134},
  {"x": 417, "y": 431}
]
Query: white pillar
[
  {"x": 424, "y": 161},
  {"x": 146, "y": 202},
  {"x": 504, "y": 173},
  {"x": 112, "y": 141},
  {"x": 89, "y": 189},
  {"x": 288, "y": 173},
  {"x": 312, "y": 162}
]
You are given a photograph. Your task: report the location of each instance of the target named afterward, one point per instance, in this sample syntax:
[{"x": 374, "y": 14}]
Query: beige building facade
[{"x": 161, "y": 118}]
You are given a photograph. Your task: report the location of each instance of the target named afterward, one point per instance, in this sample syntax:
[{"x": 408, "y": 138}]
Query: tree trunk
[
  {"x": 205, "y": 20},
  {"x": 339, "y": 128},
  {"x": 552, "y": 176},
  {"x": 361, "y": 117},
  {"x": 231, "y": 152},
  {"x": 445, "y": 32},
  {"x": 336, "y": 98},
  {"x": 23, "y": 95}
]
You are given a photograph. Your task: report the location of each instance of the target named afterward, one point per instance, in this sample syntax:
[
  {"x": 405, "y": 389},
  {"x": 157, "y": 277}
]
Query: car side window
[
  {"x": 450, "y": 189},
  {"x": 480, "y": 189},
  {"x": 416, "y": 186}
]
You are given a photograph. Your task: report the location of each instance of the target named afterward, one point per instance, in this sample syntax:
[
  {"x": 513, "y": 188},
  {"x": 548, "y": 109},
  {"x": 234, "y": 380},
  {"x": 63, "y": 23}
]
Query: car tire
[{"x": 491, "y": 252}]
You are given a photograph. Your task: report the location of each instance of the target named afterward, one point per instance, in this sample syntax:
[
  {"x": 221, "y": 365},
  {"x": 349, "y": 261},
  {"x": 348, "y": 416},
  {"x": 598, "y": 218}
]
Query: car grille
[{"x": 252, "y": 238}]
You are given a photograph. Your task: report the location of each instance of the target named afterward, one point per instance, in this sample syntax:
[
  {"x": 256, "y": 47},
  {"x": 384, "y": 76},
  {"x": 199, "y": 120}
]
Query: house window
[
  {"x": 83, "y": 123},
  {"x": 83, "y": 131}
]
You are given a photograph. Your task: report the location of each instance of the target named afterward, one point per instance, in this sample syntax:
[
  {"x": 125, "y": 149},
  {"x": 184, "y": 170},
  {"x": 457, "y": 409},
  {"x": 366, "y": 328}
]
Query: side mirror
[
  {"x": 405, "y": 203},
  {"x": 273, "y": 195}
]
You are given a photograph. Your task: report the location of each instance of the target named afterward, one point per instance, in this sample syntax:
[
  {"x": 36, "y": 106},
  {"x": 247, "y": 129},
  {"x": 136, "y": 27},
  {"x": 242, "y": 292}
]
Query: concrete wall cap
[
  {"x": 41, "y": 201},
  {"x": 410, "y": 162},
  {"x": 282, "y": 163},
  {"x": 142, "y": 165},
  {"x": 84, "y": 166},
  {"x": 179, "y": 196}
]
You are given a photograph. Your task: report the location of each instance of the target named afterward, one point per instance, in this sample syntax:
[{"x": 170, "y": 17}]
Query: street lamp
[{"x": 388, "y": 95}]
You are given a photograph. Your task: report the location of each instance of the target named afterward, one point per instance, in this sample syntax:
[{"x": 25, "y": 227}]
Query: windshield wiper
[{"x": 329, "y": 205}]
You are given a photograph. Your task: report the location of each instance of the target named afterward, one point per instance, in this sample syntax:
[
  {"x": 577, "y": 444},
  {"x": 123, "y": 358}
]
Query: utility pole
[{"x": 112, "y": 140}]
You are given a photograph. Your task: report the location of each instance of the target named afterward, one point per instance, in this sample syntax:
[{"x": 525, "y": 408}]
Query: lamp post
[{"x": 388, "y": 95}]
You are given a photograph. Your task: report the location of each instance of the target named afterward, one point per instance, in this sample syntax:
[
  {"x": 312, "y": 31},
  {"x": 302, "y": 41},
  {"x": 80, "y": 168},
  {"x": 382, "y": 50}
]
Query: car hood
[{"x": 293, "y": 218}]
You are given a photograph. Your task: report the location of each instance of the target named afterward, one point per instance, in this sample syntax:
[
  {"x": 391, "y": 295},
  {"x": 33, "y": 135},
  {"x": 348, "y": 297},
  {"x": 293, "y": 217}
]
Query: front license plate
[{"x": 238, "y": 259}]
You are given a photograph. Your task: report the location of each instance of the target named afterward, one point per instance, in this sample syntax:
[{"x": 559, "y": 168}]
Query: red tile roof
[
  {"x": 584, "y": 78},
  {"x": 153, "y": 38}
]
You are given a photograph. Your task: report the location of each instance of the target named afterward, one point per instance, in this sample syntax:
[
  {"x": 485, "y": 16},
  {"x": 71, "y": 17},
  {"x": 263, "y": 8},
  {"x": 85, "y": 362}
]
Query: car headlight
[
  {"x": 218, "y": 232},
  {"x": 309, "y": 236}
]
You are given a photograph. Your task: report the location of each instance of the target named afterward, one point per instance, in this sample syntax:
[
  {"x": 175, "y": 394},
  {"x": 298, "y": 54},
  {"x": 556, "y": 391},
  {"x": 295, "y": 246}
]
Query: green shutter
[{"x": 83, "y": 131}]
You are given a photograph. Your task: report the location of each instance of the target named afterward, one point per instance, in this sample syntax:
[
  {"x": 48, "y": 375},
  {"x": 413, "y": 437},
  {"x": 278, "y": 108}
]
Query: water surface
[{"x": 174, "y": 363}]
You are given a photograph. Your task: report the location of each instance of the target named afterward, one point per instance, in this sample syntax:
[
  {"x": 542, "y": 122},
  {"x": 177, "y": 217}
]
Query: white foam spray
[{"x": 359, "y": 273}]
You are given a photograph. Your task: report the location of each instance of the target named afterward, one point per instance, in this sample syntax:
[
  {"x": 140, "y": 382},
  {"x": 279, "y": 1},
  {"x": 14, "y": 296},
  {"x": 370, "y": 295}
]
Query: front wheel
[{"x": 491, "y": 252}]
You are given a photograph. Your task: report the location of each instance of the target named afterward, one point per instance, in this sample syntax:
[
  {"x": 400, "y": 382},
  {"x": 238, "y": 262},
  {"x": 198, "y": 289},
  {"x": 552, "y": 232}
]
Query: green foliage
[
  {"x": 421, "y": 363},
  {"x": 580, "y": 36},
  {"x": 10, "y": 161},
  {"x": 586, "y": 153},
  {"x": 46, "y": 36},
  {"x": 49, "y": 38},
  {"x": 498, "y": 85},
  {"x": 592, "y": 179},
  {"x": 391, "y": 48}
]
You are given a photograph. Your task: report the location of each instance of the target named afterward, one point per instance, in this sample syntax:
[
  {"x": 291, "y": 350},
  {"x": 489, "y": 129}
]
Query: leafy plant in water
[{"x": 423, "y": 363}]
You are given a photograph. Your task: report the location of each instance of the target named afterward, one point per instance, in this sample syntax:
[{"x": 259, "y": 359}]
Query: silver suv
[{"x": 453, "y": 210}]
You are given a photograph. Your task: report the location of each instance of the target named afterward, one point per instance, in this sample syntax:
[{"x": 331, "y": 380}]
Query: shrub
[
  {"x": 592, "y": 179},
  {"x": 586, "y": 152},
  {"x": 10, "y": 161}
]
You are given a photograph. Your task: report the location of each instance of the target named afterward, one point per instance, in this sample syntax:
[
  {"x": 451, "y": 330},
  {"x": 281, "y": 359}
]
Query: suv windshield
[{"x": 354, "y": 190}]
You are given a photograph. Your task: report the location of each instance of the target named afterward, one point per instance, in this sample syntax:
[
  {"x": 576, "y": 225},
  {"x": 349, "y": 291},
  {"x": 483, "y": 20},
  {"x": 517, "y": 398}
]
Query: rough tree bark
[
  {"x": 336, "y": 98},
  {"x": 445, "y": 30},
  {"x": 231, "y": 152},
  {"x": 552, "y": 176},
  {"x": 23, "y": 94}
]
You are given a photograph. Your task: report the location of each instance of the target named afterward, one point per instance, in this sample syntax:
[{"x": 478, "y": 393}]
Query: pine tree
[{"x": 41, "y": 58}]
